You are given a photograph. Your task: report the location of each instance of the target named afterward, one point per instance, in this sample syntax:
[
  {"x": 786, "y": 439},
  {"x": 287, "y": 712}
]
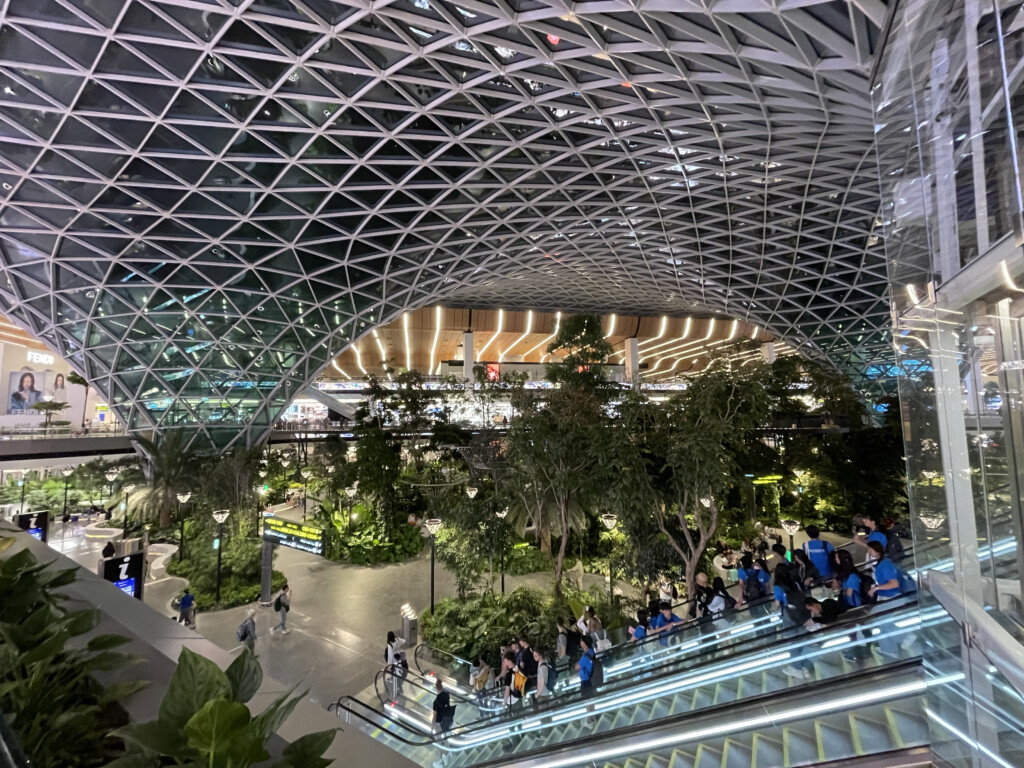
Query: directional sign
[
  {"x": 36, "y": 524},
  {"x": 308, "y": 538}
]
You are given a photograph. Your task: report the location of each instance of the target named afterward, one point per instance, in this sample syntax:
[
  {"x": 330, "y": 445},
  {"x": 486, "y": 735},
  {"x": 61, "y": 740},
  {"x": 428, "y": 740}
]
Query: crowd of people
[{"x": 811, "y": 586}]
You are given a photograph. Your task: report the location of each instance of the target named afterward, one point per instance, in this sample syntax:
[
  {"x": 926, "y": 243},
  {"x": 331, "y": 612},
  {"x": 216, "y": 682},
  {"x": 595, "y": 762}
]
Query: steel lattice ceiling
[{"x": 203, "y": 202}]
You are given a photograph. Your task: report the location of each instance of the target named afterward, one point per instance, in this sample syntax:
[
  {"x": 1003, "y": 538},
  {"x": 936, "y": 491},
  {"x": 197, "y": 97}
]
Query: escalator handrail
[
  {"x": 416, "y": 656},
  {"x": 571, "y": 696},
  {"x": 419, "y": 681},
  {"x": 725, "y": 708},
  {"x": 632, "y": 729}
]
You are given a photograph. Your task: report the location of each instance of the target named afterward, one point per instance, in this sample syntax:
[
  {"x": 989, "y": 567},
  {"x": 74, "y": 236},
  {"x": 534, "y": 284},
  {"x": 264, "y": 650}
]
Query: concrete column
[
  {"x": 468, "y": 358},
  {"x": 768, "y": 351},
  {"x": 633, "y": 361}
]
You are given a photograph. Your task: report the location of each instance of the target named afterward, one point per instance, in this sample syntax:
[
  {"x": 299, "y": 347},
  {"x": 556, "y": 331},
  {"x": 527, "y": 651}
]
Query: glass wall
[{"x": 948, "y": 102}]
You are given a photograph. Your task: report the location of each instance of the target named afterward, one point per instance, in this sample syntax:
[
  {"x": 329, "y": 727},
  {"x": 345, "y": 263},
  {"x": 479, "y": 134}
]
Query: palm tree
[
  {"x": 49, "y": 407},
  {"x": 74, "y": 378},
  {"x": 167, "y": 465}
]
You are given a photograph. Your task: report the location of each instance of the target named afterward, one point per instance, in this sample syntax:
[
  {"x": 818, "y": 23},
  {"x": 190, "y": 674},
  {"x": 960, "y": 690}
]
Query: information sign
[
  {"x": 308, "y": 538},
  {"x": 35, "y": 524},
  {"x": 126, "y": 573}
]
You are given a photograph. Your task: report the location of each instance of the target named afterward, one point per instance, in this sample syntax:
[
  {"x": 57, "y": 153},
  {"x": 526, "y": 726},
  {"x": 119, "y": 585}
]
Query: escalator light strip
[
  {"x": 837, "y": 641},
  {"x": 967, "y": 739},
  {"x": 634, "y": 748}
]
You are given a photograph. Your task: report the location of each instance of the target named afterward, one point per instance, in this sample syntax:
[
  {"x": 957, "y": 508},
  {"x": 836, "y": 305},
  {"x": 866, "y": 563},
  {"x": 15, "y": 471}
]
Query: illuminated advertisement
[
  {"x": 308, "y": 538},
  {"x": 126, "y": 573},
  {"x": 35, "y": 524}
]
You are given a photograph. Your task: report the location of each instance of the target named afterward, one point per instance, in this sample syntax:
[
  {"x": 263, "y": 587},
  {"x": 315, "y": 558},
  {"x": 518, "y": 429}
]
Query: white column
[
  {"x": 768, "y": 351},
  {"x": 633, "y": 361},
  {"x": 468, "y": 360}
]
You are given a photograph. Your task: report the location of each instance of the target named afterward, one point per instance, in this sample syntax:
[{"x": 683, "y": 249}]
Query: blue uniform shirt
[
  {"x": 765, "y": 578},
  {"x": 587, "y": 667},
  {"x": 640, "y": 632},
  {"x": 780, "y": 595},
  {"x": 886, "y": 571},
  {"x": 820, "y": 553},
  {"x": 660, "y": 621},
  {"x": 187, "y": 600},
  {"x": 852, "y": 582}
]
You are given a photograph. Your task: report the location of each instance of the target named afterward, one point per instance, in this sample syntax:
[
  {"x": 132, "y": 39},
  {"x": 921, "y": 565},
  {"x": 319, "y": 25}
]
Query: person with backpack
[
  {"x": 803, "y": 570},
  {"x": 854, "y": 587},
  {"x": 587, "y": 668},
  {"x": 764, "y": 575},
  {"x": 546, "y": 674},
  {"x": 870, "y": 521},
  {"x": 187, "y": 610},
  {"x": 639, "y": 631},
  {"x": 789, "y": 597},
  {"x": 283, "y": 604},
  {"x": 750, "y": 586},
  {"x": 246, "y": 632},
  {"x": 443, "y": 717},
  {"x": 526, "y": 664},
  {"x": 819, "y": 552},
  {"x": 721, "y": 600},
  {"x": 886, "y": 587}
]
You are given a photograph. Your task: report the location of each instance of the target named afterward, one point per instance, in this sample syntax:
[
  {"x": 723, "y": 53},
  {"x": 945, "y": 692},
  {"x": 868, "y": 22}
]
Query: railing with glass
[
  {"x": 884, "y": 624},
  {"x": 413, "y": 691}
]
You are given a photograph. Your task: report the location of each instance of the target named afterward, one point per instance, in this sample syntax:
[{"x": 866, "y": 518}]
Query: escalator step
[
  {"x": 766, "y": 752},
  {"x": 661, "y": 709},
  {"x": 682, "y": 759},
  {"x": 725, "y": 692},
  {"x": 736, "y": 754},
  {"x": 835, "y": 742},
  {"x": 700, "y": 699},
  {"x": 798, "y": 747},
  {"x": 909, "y": 726},
  {"x": 708, "y": 757},
  {"x": 656, "y": 760},
  {"x": 869, "y": 735}
]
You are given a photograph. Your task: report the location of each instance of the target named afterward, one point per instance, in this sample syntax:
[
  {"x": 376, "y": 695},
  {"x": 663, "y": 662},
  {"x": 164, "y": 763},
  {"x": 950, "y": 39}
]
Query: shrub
[
  {"x": 527, "y": 559},
  {"x": 241, "y": 571},
  {"x": 364, "y": 548}
]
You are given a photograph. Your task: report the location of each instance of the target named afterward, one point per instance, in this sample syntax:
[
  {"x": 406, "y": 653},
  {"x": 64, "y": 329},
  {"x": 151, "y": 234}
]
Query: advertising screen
[{"x": 308, "y": 538}]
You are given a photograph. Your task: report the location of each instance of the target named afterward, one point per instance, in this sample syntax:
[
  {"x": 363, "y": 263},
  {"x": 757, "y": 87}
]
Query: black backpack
[
  {"x": 866, "y": 583},
  {"x": 752, "y": 587},
  {"x": 893, "y": 546},
  {"x": 597, "y": 678}
]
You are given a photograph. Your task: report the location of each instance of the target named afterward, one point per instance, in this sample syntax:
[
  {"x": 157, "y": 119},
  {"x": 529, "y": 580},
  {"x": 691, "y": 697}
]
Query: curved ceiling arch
[{"x": 201, "y": 204}]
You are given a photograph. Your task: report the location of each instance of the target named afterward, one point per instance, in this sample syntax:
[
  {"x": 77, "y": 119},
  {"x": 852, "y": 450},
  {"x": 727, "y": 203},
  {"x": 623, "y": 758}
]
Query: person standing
[
  {"x": 585, "y": 667},
  {"x": 187, "y": 610},
  {"x": 108, "y": 550},
  {"x": 870, "y": 521},
  {"x": 543, "y": 675},
  {"x": 283, "y": 604},
  {"x": 247, "y": 630},
  {"x": 820, "y": 552},
  {"x": 443, "y": 716}
]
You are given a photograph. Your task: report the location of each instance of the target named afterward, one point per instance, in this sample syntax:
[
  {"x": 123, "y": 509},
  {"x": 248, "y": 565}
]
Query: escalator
[{"x": 752, "y": 674}]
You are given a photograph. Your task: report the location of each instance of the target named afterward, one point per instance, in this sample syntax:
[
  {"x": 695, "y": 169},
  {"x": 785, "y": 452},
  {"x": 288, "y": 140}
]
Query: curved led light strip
[
  {"x": 558, "y": 322},
  {"x": 501, "y": 322},
  {"x": 408, "y": 346},
  {"x": 380, "y": 346},
  {"x": 661, "y": 331},
  {"x": 611, "y": 328},
  {"x": 529, "y": 327},
  {"x": 339, "y": 370},
  {"x": 683, "y": 337},
  {"x": 688, "y": 346},
  {"x": 437, "y": 333},
  {"x": 359, "y": 359}
]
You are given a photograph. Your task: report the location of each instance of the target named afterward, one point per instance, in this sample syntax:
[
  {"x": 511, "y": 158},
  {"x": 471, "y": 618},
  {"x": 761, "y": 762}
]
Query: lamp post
[
  {"x": 111, "y": 475},
  {"x": 220, "y": 516},
  {"x": 502, "y": 514},
  {"x": 432, "y": 525},
  {"x": 182, "y": 500},
  {"x": 790, "y": 527},
  {"x": 610, "y": 520},
  {"x": 127, "y": 492},
  {"x": 21, "y": 483},
  {"x": 305, "y": 472},
  {"x": 471, "y": 492},
  {"x": 351, "y": 493},
  {"x": 67, "y": 472}
]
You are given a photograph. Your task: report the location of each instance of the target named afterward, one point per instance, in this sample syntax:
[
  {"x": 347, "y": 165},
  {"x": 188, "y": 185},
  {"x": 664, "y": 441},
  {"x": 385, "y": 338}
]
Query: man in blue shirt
[
  {"x": 819, "y": 552},
  {"x": 586, "y": 668},
  {"x": 887, "y": 576},
  {"x": 664, "y": 623},
  {"x": 870, "y": 521},
  {"x": 187, "y": 608}
]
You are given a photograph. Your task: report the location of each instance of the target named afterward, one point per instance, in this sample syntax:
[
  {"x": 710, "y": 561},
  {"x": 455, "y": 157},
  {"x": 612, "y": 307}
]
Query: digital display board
[
  {"x": 125, "y": 572},
  {"x": 308, "y": 538},
  {"x": 35, "y": 524}
]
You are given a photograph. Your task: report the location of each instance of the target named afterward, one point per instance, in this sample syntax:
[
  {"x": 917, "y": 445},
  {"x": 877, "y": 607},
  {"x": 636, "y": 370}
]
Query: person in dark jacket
[{"x": 822, "y": 611}]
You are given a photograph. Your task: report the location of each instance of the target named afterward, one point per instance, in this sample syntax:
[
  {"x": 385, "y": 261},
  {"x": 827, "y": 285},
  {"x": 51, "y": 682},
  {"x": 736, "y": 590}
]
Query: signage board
[
  {"x": 308, "y": 538},
  {"x": 126, "y": 572},
  {"x": 35, "y": 524}
]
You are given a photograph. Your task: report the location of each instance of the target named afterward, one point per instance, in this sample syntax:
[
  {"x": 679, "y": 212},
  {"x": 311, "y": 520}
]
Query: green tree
[
  {"x": 48, "y": 409},
  {"x": 168, "y": 467}
]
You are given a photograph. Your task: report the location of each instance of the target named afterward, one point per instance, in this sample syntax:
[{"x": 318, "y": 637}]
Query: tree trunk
[
  {"x": 85, "y": 402},
  {"x": 165, "y": 516},
  {"x": 564, "y": 512},
  {"x": 544, "y": 533}
]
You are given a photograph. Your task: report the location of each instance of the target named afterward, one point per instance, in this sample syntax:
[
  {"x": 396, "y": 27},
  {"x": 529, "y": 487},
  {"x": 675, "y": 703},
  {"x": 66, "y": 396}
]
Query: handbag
[
  {"x": 519, "y": 683},
  {"x": 603, "y": 643}
]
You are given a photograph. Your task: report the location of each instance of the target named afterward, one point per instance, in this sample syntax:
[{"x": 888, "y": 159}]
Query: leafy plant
[
  {"x": 203, "y": 721},
  {"x": 60, "y": 714}
]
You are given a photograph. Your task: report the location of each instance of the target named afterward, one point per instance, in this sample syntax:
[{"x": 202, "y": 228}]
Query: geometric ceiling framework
[{"x": 203, "y": 203}]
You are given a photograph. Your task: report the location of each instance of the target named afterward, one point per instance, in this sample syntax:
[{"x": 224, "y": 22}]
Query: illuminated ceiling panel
[{"x": 202, "y": 203}]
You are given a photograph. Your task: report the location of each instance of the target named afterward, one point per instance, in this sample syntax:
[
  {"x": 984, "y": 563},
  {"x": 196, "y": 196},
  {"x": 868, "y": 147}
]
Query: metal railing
[{"x": 31, "y": 432}]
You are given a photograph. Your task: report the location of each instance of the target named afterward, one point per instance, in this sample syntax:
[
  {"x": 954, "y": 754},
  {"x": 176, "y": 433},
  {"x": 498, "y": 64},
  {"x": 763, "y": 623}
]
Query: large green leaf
[
  {"x": 196, "y": 681},
  {"x": 307, "y": 751},
  {"x": 245, "y": 676},
  {"x": 271, "y": 719},
  {"x": 47, "y": 649},
  {"x": 80, "y": 622},
  {"x": 217, "y": 723},
  {"x": 105, "y": 642},
  {"x": 122, "y": 690},
  {"x": 158, "y": 736}
]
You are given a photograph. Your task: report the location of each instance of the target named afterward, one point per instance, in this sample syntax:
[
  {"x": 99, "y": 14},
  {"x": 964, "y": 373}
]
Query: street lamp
[
  {"x": 471, "y": 492},
  {"x": 502, "y": 514},
  {"x": 21, "y": 484},
  {"x": 220, "y": 516},
  {"x": 182, "y": 499},
  {"x": 67, "y": 472},
  {"x": 111, "y": 475},
  {"x": 351, "y": 493},
  {"x": 790, "y": 527},
  {"x": 433, "y": 526},
  {"x": 610, "y": 520},
  {"x": 127, "y": 492},
  {"x": 305, "y": 472}
]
